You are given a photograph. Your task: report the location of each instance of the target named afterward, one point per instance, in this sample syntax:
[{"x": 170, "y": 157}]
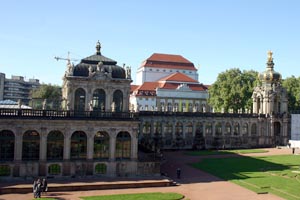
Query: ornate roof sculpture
[
  {"x": 269, "y": 75},
  {"x": 99, "y": 64}
]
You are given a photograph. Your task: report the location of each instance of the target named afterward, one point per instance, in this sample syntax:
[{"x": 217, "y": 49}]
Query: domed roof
[
  {"x": 107, "y": 65},
  {"x": 269, "y": 75}
]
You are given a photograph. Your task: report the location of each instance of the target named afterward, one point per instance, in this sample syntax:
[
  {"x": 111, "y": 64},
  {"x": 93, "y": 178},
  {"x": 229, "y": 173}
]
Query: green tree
[
  {"x": 292, "y": 85},
  {"x": 52, "y": 94},
  {"x": 233, "y": 90}
]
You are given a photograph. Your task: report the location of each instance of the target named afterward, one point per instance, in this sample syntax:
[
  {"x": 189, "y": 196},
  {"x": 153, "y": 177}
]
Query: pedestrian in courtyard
[
  {"x": 45, "y": 185},
  {"x": 34, "y": 188},
  {"x": 178, "y": 173},
  {"x": 293, "y": 150}
]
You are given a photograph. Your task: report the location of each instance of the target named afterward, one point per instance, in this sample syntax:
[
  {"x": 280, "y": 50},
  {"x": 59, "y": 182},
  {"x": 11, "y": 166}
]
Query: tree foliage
[
  {"x": 51, "y": 93},
  {"x": 233, "y": 90},
  {"x": 47, "y": 91},
  {"x": 292, "y": 85}
]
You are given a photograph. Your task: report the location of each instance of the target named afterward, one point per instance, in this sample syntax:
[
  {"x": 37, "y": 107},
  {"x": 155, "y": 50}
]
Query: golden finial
[{"x": 270, "y": 56}]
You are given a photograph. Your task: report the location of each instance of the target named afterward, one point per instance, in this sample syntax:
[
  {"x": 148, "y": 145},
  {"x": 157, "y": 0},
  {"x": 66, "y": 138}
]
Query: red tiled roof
[
  {"x": 178, "y": 77},
  {"x": 133, "y": 87},
  {"x": 194, "y": 87},
  {"x": 168, "y": 58},
  {"x": 146, "y": 89},
  {"x": 159, "y": 60}
]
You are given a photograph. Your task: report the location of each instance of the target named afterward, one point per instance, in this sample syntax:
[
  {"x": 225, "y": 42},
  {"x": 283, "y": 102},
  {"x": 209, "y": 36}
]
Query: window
[
  {"x": 55, "y": 145},
  {"x": 4, "y": 170},
  {"x": 101, "y": 145},
  {"x": 100, "y": 168},
  {"x": 150, "y": 70},
  {"x": 123, "y": 145},
  {"x": 79, "y": 99},
  {"x": 31, "y": 145},
  {"x": 118, "y": 100},
  {"x": 54, "y": 169},
  {"x": 99, "y": 100},
  {"x": 78, "y": 145},
  {"x": 7, "y": 144}
]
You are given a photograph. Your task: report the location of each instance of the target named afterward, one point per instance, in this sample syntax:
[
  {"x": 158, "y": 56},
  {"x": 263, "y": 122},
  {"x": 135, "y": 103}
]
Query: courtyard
[{"x": 194, "y": 184}]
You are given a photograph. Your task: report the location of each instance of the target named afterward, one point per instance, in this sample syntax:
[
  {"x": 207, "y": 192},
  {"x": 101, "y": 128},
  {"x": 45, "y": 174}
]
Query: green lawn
[
  {"x": 221, "y": 152},
  {"x": 142, "y": 196},
  {"x": 46, "y": 198},
  {"x": 279, "y": 175}
]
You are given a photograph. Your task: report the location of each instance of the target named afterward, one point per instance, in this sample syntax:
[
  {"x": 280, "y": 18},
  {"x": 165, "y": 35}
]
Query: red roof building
[{"x": 160, "y": 65}]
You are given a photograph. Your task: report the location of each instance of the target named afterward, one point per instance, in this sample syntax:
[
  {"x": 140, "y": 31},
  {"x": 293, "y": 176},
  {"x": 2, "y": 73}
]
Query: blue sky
[{"x": 215, "y": 35}]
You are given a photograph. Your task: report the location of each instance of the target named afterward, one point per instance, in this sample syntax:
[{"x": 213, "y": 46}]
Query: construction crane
[{"x": 68, "y": 59}]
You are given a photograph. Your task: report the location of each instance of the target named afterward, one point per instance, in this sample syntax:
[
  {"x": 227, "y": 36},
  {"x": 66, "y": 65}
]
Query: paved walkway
[{"x": 194, "y": 184}]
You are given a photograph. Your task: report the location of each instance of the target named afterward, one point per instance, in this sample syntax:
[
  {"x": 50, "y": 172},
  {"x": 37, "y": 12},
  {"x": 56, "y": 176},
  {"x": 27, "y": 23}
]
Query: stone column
[
  {"x": 213, "y": 129},
  {"x": 223, "y": 128},
  {"x": 108, "y": 100},
  {"x": 173, "y": 129},
  {"x": 203, "y": 129},
  {"x": 43, "y": 144},
  {"x": 163, "y": 129},
  {"x": 90, "y": 147},
  {"x": 151, "y": 128},
  {"x": 194, "y": 128},
  {"x": 18, "y": 144},
  {"x": 134, "y": 145},
  {"x": 112, "y": 144},
  {"x": 183, "y": 130},
  {"x": 67, "y": 144}
]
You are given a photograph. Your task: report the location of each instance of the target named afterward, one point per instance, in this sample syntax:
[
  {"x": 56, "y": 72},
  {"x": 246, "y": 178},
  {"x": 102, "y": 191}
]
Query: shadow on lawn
[{"x": 197, "y": 169}]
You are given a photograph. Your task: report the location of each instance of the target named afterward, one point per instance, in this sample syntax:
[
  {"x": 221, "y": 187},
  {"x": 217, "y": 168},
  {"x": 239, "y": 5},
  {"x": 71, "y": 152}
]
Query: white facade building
[
  {"x": 158, "y": 66},
  {"x": 168, "y": 83}
]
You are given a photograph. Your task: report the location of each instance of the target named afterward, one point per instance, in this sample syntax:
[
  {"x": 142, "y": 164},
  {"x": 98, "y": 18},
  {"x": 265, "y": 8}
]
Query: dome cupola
[{"x": 269, "y": 75}]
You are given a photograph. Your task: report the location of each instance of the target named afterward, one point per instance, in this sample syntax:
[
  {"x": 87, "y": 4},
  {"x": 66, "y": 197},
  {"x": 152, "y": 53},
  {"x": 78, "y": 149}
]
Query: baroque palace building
[
  {"x": 267, "y": 125},
  {"x": 97, "y": 133}
]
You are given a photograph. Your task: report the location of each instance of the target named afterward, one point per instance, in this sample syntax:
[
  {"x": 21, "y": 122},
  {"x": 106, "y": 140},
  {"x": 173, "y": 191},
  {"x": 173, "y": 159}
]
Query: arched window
[
  {"x": 123, "y": 145},
  {"x": 179, "y": 129},
  {"x": 245, "y": 129},
  {"x": 99, "y": 100},
  {"x": 157, "y": 127},
  {"x": 253, "y": 130},
  {"x": 55, "y": 145},
  {"x": 79, "y": 100},
  {"x": 208, "y": 129},
  {"x": 7, "y": 144},
  {"x": 101, "y": 145},
  {"x": 227, "y": 129},
  {"x": 78, "y": 145},
  {"x": 199, "y": 129},
  {"x": 146, "y": 128},
  {"x": 118, "y": 100},
  {"x": 169, "y": 107},
  {"x": 218, "y": 129},
  {"x": 31, "y": 145},
  {"x": 168, "y": 130},
  {"x": 190, "y": 107},
  {"x": 236, "y": 129},
  {"x": 189, "y": 130}
]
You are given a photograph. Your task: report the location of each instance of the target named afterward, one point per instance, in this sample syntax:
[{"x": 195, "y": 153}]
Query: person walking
[
  {"x": 34, "y": 188},
  {"x": 45, "y": 185},
  {"x": 38, "y": 188}
]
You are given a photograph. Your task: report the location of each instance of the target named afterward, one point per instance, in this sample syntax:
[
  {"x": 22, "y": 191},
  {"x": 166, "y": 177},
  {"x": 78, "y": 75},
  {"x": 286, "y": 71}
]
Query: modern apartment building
[{"x": 17, "y": 88}]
